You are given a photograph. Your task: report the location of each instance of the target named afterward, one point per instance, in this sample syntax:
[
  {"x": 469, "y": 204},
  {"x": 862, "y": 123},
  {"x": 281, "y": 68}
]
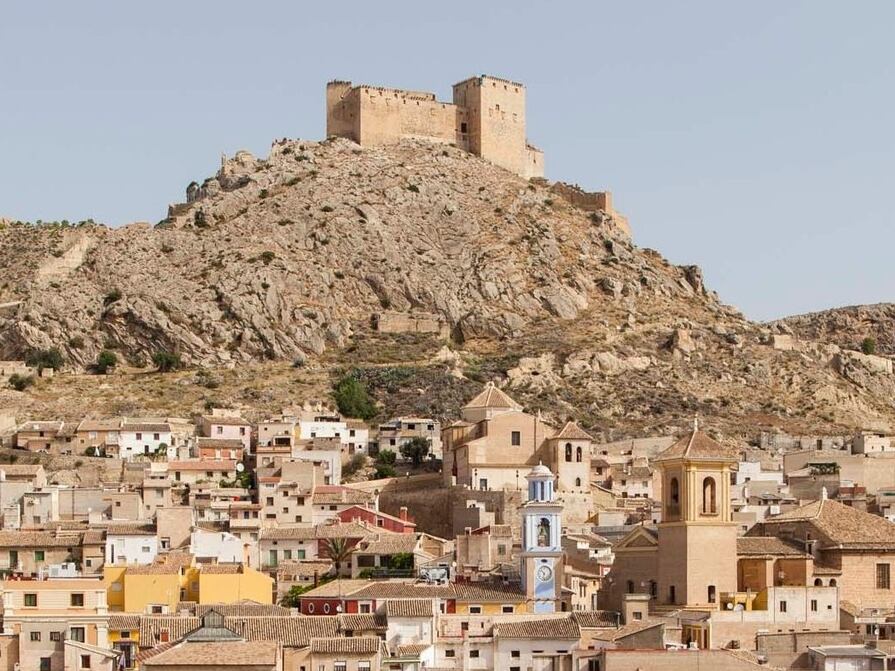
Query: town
[{"x": 226, "y": 542}]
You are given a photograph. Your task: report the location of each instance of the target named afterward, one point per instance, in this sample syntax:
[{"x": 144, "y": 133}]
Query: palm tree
[{"x": 338, "y": 550}]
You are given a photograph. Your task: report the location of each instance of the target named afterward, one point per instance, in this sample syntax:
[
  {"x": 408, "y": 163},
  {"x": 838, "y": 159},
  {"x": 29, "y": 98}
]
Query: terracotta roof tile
[
  {"x": 410, "y": 608},
  {"x": 596, "y": 619},
  {"x": 356, "y": 645},
  {"x": 556, "y": 626},
  {"x": 697, "y": 445},
  {"x": 362, "y": 622},
  {"x": 843, "y": 525},
  {"x": 146, "y": 427},
  {"x": 492, "y": 397},
  {"x": 769, "y": 546},
  {"x": 217, "y": 654},
  {"x": 124, "y": 622},
  {"x": 571, "y": 431},
  {"x": 480, "y": 591}
]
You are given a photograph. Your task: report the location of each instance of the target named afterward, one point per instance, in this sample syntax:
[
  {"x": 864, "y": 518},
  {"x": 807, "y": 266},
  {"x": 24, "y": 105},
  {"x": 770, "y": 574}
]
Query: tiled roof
[
  {"x": 388, "y": 544},
  {"x": 362, "y": 622},
  {"x": 614, "y": 634},
  {"x": 557, "y": 626},
  {"x": 699, "y": 446},
  {"x": 151, "y": 627},
  {"x": 767, "y": 546},
  {"x": 357, "y": 645},
  {"x": 412, "y": 649},
  {"x": 492, "y": 397},
  {"x": 571, "y": 431},
  {"x": 596, "y": 619},
  {"x": 308, "y": 568},
  {"x": 202, "y": 465},
  {"x": 242, "y": 609},
  {"x": 36, "y": 539},
  {"x": 41, "y": 426},
  {"x": 220, "y": 569},
  {"x": 130, "y": 529},
  {"x": 124, "y": 622},
  {"x": 154, "y": 569},
  {"x": 410, "y": 608},
  {"x": 844, "y": 525},
  {"x": 392, "y": 589},
  {"x": 217, "y": 654},
  {"x": 292, "y": 631},
  {"x": 481, "y": 591},
  {"x": 146, "y": 427},
  {"x": 322, "y": 531},
  {"x": 99, "y": 425}
]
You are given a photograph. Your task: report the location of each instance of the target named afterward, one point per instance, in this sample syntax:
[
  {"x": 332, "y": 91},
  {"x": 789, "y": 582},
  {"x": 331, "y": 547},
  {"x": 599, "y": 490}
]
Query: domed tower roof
[{"x": 540, "y": 471}]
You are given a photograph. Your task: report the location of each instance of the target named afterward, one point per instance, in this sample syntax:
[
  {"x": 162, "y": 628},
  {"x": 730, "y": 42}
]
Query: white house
[
  {"x": 234, "y": 428},
  {"x": 353, "y": 435},
  {"x": 131, "y": 544},
  {"x": 221, "y": 546},
  {"x": 146, "y": 438}
]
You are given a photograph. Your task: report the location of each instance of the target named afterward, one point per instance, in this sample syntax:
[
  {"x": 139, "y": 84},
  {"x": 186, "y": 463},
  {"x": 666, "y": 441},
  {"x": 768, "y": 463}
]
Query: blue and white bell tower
[{"x": 542, "y": 556}]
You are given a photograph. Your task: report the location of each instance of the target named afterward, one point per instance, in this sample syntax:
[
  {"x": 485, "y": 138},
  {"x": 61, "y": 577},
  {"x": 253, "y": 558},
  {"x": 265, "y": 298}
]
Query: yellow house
[
  {"x": 489, "y": 599},
  {"x": 158, "y": 588}
]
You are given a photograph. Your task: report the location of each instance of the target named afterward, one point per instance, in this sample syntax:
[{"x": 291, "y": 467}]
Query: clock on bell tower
[{"x": 542, "y": 556}]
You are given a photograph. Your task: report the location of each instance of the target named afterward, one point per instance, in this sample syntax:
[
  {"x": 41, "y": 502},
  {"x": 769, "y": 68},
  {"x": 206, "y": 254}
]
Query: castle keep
[{"x": 486, "y": 118}]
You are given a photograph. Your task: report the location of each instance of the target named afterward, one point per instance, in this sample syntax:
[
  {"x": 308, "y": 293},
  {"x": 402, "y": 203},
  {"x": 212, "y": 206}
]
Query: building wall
[
  {"x": 122, "y": 549},
  {"x": 229, "y": 588},
  {"x": 132, "y": 443},
  {"x": 858, "y": 580}
]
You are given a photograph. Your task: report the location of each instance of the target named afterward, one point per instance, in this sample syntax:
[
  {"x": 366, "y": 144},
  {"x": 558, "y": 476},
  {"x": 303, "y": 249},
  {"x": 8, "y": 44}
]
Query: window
[
  {"x": 568, "y": 451},
  {"x": 501, "y": 549},
  {"x": 709, "y": 506},
  {"x": 31, "y": 600},
  {"x": 818, "y": 582},
  {"x": 675, "y": 495},
  {"x": 637, "y": 615},
  {"x": 340, "y": 666},
  {"x": 578, "y": 453},
  {"x": 711, "y": 594},
  {"x": 77, "y": 600},
  {"x": 35, "y": 636},
  {"x": 629, "y": 588},
  {"x": 782, "y": 606},
  {"x": 516, "y": 437},
  {"x": 363, "y": 666},
  {"x": 155, "y": 436},
  {"x": 473, "y": 654},
  {"x": 77, "y": 634},
  {"x": 577, "y": 482},
  {"x": 672, "y": 597},
  {"x": 882, "y": 576},
  {"x": 514, "y": 654},
  {"x": 475, "y": 610},
  {"x": 156, "y": 610},
  {"x": 45, "y": 663},
  {"x": 56, "y": 636},
  {"x": 449, "y": 653},
  {"x": 813, "y": 605},
  {"x": 85, "y": 661},
  {"x": 506, "y": 609},
  {"x": 464, "y": 626},
  {"x": 38, "y": 555}
]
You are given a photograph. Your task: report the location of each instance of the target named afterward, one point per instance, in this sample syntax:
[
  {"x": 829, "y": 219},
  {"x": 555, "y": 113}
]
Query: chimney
[{"x": 403, "y": 513}]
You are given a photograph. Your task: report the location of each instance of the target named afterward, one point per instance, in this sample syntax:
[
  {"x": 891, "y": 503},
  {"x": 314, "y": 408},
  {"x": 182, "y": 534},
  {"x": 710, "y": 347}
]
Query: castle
[{"x": 486, "y": 118}]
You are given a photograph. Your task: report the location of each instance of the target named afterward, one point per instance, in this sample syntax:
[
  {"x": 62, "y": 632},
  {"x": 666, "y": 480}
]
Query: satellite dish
[{"x": 240, "y": 467}]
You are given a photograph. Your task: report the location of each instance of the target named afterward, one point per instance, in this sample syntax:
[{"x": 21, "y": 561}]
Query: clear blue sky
[{"x": 755, "y": 139}]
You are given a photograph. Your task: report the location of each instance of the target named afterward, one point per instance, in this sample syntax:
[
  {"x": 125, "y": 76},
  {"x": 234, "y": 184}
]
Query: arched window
[
  {"x": 832, "y": 582},
  {"x": 568, "y": 451},
  {"x": 578, "y": 453},
  {"x": 544, "y": 533},
  {"x": 630, "y": 587},
  {"x": 709, "y": 506},
  {"x": 577, "y": 482},
  {"x": 818, "y": 582},
  {"x": 674, "y": 495}
]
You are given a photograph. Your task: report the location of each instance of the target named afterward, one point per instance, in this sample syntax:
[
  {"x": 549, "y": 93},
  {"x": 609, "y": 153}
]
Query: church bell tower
[{"x": 542, "y": 556}]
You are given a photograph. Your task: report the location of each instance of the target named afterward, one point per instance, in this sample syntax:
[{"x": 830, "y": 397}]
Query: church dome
[{"x": 540, "y": 471}]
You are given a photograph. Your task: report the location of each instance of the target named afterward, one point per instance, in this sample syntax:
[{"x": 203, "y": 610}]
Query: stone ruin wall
[
  {"x": 592, "y": 201},
  {"x": 403, "y": 322}
]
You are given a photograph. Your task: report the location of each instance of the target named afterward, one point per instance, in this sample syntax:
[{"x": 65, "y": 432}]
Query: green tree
[
  {"x": 416, "y": 449},
  {"x": 385, "y": 465},
  {"x": 337, "y": 550},
  {"x": 386, "y": 457},
  {"x": 104, "y": 361},
  {"x": 166, "y": 361},
  {"x": 401, "y": 561},
  {"x": 868, "y": 345},
  {"x": 20, "y": 382},
  {"x": 352, "y": 398},
  {"x": 45, "y": 358}
]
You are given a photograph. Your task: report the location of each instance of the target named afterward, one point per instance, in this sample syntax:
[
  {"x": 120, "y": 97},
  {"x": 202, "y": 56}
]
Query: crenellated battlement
[{"x": 486, "y": 118}]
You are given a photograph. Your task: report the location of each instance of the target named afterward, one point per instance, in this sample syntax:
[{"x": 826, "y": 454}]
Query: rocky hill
[
  {"x": 849, "y": 326},
  {"x": 291, "y": 257}
]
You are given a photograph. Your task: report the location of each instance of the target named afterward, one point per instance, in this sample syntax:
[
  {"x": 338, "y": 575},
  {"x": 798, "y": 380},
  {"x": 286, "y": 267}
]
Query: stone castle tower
[{"x": 486, "y": 118}]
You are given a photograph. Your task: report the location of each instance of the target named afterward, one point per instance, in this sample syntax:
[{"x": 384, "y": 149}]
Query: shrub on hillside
[
  {"x": 166, "y": 361},
  {"x": 104, "y": 361},
  {"x": 20, "y": 382},
  {"x": 868, "y": 345},
  {"x": 352, "y": 398}
]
